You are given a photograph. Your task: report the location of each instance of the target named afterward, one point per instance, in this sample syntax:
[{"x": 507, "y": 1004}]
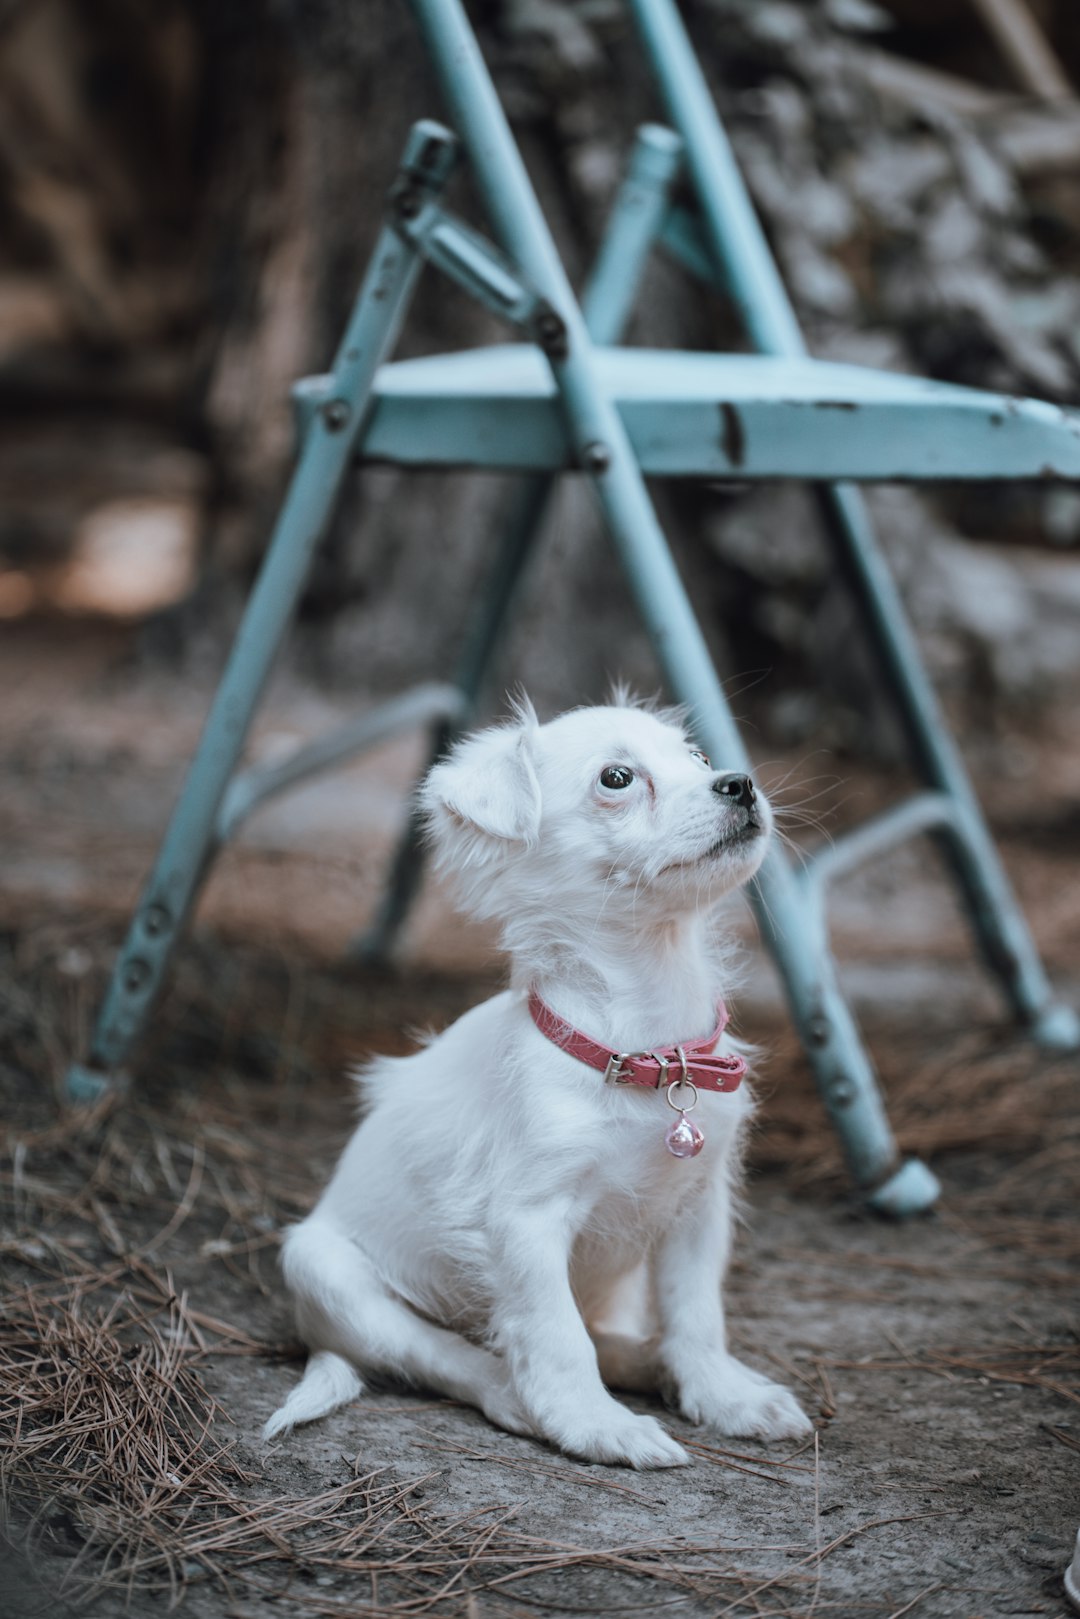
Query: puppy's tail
[
  {"x": 328, "y": 1381},
  {"x": 325, "y": 1274}
]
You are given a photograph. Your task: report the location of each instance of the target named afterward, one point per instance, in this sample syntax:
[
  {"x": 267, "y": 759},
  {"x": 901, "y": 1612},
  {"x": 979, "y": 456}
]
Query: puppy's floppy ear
[{"x": 485, "y": 795}]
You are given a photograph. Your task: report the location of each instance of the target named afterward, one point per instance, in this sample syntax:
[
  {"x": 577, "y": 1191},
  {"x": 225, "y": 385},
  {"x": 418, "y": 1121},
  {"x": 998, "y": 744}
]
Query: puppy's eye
[
  {"x": 616, "y": 776},
  {"x": 696, "y": 753}
]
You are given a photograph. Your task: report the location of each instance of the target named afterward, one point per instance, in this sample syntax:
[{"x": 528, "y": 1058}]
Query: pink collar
[{"x": 652, "y": 1068}]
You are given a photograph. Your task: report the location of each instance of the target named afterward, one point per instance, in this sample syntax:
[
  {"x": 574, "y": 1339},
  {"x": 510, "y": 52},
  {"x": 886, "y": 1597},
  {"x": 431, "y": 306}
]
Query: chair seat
[{"x": 716, "y": 416}]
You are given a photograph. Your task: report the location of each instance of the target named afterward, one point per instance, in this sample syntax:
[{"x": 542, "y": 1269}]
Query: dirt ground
[{"x": 144, "y": 1338}]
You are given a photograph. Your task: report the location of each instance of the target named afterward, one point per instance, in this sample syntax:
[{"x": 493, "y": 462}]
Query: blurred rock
[
  {"x": 130, "y": 558},
  {"x": 999, "y": 626},
  {"x": 1061, "y": 516}
]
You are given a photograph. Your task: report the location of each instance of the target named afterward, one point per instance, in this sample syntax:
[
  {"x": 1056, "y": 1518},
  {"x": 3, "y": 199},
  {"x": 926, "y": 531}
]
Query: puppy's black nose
[{"x": 737, "y": 789}]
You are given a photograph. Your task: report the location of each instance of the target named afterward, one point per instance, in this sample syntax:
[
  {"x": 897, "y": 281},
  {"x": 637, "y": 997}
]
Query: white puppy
[{"x": 499, "y": 1193}]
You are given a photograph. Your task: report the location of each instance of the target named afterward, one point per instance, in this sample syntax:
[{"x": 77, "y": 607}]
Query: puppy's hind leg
[
  {"x": 621, "y": 1319},
  {"x": 631, "y": 1364},
  {"x": 350, "y": 1319}
]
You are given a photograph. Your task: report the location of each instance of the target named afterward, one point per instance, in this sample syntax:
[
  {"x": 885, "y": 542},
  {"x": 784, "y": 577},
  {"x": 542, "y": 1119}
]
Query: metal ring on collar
[{"x": 682, "y": 1085}]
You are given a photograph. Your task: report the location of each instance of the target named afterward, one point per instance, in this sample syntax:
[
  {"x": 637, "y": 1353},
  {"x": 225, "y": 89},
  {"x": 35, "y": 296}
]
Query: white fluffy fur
[{"x": 499, "y": 1205}]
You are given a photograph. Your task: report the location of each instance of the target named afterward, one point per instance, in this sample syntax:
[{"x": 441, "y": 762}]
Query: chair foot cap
[
  {"x": 1057, "y": 1028},
  {"x": 912, "y": 1189},
  {"x": 85, "y": 1085}
]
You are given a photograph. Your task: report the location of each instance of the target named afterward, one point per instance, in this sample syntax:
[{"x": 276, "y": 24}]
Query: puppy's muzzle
[
  {"x": 738, "y": 793},
  {"x": 737, "y": 789}
]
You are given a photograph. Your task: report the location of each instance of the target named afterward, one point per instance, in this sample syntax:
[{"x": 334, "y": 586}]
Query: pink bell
[{"x": 684, "y": 1139}]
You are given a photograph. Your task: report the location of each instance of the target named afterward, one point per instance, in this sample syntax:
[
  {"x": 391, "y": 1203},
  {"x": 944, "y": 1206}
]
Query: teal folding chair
[{"x": 565, "y": 399}]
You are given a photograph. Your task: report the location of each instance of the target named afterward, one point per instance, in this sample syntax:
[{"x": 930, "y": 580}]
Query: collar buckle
[{"x": 613, "y": 1073}]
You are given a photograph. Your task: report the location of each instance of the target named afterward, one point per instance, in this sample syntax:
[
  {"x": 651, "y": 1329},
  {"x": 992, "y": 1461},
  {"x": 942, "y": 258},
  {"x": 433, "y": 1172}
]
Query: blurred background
[{"x": 188, "y": 194}]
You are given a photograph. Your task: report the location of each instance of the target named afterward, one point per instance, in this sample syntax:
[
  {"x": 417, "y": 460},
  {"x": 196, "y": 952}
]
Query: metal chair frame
[{"x": 566, "y": 399}]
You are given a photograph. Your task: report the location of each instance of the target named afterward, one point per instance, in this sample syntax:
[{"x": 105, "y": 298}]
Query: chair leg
[
  {"x": 603, "y": 450},
  {"x": 190, "y": 842},
  {"x": 635, "y": 221},
  {"x": 838, "y": 1058},
  {"x": 522, "y": 526},
  {"x": 996, "y": 918},
  {"x": 744, "y": 264}
]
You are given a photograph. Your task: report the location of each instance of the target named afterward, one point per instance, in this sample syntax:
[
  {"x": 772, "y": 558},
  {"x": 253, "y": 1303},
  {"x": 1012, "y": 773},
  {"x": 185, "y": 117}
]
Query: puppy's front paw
[
  {"x": 624, "y": 1440},
  {"x": 740, "y": 1402}
]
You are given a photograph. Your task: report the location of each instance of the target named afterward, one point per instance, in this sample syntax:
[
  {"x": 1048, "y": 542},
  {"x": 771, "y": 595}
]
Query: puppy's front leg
[
  {"x": 550, "y": 1356},
  {"x": 700, "y": 1378}
]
